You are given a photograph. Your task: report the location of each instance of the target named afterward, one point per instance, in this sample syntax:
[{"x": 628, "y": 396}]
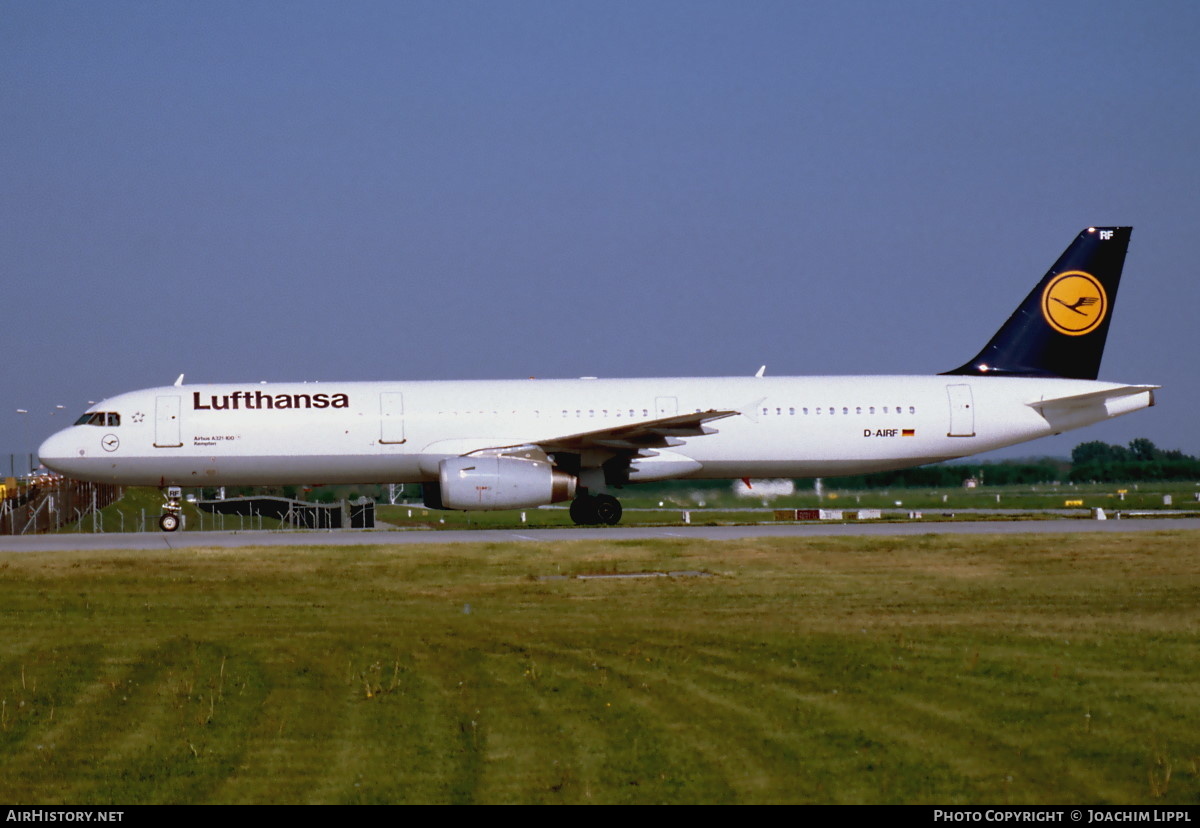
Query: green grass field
[{"x": 954, "y": 670}]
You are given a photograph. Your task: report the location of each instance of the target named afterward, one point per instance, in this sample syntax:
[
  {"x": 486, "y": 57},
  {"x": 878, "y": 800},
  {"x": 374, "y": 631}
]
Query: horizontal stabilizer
[{"x": 1065, "y": 405}]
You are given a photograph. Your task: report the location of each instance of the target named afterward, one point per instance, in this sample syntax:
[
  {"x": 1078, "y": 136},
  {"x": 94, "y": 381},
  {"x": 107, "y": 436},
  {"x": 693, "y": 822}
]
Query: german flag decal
[{"x": 908, "y": 432}]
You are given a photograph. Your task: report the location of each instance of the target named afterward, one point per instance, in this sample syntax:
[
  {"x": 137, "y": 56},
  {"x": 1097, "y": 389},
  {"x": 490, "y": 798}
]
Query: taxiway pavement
[{"x": 353, "y": 537}]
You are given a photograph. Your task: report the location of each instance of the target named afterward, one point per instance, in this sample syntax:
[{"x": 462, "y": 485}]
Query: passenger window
[{"x": 912, "y": 410}]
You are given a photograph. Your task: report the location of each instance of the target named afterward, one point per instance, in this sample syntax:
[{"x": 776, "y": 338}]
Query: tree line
[{"x": 1140, "y": 460}]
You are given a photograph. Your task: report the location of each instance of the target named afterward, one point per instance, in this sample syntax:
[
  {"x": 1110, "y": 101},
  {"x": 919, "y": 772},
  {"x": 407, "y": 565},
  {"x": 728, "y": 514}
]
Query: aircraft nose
[{"x": 61, "y": 451}]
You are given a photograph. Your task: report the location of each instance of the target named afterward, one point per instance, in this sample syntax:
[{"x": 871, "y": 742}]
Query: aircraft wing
[
  {"x": 645, "y": 434},
  {"x": 623, "y": 451}
]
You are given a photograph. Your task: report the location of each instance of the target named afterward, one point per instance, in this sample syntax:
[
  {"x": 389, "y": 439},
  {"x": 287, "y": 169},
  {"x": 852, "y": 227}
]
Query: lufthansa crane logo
[{"x": 1074, "y": 303}]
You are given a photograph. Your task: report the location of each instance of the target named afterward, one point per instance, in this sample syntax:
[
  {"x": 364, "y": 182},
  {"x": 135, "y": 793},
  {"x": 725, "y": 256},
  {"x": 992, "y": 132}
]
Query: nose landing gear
[{"x": 172, "y": 517}]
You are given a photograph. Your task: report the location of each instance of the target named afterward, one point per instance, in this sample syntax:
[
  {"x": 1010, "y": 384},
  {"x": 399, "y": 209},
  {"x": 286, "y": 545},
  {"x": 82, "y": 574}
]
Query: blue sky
[{"x": 246, "y": 191}]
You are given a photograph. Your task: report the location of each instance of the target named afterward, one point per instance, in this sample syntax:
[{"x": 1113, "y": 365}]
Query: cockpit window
[{"x": 100, "y": 418}]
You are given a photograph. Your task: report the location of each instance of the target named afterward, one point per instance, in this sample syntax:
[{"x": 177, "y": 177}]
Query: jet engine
[{"x": 488, "y": 483}]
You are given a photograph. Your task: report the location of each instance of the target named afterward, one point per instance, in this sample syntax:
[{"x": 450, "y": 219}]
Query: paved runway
[{"x": 340, "y": 537}]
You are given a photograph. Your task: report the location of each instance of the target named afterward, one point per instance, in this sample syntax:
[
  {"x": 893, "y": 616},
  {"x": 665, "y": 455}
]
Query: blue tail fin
[{"x": 1060, "y": 328}]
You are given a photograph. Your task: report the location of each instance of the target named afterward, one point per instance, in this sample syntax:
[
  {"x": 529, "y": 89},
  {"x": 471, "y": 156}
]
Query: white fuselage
[{"x": 398, "y": 432}]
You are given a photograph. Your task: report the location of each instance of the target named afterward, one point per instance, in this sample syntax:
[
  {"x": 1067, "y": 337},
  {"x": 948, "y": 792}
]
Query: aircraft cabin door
[
  {"x": 166, "y": 423},
  {"x": 391, "y": 418},
  {"x": 665, "y": 407},
  {"x": 962, "y": 411}
]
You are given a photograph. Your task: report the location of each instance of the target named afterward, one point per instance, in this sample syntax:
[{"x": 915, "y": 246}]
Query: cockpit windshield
[{"x": 100, "y": 418}]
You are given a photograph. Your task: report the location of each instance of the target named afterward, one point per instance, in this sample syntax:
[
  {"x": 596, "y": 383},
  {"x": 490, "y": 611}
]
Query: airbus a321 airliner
[{"x": 513, "y": 444}]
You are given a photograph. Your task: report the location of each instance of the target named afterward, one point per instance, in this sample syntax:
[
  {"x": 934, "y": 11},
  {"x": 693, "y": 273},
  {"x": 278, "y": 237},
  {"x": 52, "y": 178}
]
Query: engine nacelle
[{"x": 487, "y": 483}]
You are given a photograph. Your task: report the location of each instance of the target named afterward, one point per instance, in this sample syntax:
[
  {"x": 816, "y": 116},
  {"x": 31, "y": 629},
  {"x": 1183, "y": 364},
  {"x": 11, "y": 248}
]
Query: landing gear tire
[
  {"x": 170, "y": 519},
  {"x": 589, "y": 510},
  {"x": 608, "y": 510},
  {"x": 583, "y": 510}
]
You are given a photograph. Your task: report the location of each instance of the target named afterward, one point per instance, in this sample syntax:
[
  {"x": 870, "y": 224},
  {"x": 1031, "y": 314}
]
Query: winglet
[{"x": 179, "y": 381}]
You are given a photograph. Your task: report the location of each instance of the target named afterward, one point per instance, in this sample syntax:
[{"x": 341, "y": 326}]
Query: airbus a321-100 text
[{"x": 485, "y": 445}]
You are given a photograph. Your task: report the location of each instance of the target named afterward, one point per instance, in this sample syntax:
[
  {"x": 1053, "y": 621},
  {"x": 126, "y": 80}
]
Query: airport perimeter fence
[
  {"x": 295, "y": 514},
  {"x": 47, "y": 504}
]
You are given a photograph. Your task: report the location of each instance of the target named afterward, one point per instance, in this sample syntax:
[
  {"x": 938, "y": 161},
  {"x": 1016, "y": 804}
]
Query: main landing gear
[
  {"x": 171, "y": 517},
  {"x": 592, "y": 509}
]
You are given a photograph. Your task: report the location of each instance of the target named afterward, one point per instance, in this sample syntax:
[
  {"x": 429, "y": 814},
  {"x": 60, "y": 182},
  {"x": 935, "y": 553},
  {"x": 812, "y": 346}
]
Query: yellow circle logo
[{"x": 1074, "y": 303}]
